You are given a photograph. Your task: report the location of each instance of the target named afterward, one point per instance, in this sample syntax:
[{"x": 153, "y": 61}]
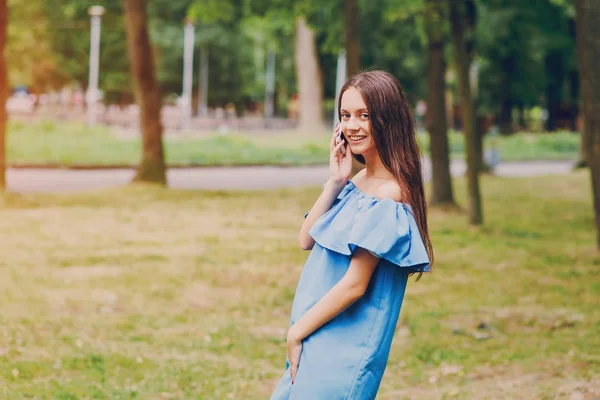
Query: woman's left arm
[{"x": 341, "y": 296}]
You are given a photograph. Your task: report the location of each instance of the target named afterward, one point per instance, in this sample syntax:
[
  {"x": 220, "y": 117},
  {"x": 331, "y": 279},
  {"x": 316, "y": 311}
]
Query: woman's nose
[{"x": 351, "y": 124}]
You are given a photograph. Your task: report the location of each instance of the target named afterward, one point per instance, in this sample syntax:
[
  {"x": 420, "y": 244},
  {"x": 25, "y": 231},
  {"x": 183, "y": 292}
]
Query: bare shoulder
[
  {"x": 360, "y": 175},
  {"x": 389, "y": 189}
]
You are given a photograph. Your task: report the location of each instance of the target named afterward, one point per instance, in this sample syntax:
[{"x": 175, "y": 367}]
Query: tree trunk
[
  {"x": 468, "y": 111},
  {"x": 436, "y": 106},
  {"x": 470, "y": 23},
  {"x": 352, "y": 38},
  {"x": 588, "y": 17},
  {"x": 352, "y": 52},
  {"x": 586, "y": 137},
  {"x": 308, "y": 73},
  {"x": 152, "y": 166},
  {"x": 3, "y": 92}
]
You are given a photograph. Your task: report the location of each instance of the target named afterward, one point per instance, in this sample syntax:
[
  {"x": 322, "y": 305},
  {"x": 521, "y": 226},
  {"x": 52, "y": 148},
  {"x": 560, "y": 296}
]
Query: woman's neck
[{"x": 375, "y": 168}]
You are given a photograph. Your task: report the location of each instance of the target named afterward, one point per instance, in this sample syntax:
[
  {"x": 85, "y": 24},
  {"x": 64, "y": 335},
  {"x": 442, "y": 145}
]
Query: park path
[{"x": 241, "y": 178}]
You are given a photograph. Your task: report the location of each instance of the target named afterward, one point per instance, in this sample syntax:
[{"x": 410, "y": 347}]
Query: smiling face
[{"x": 355, "y": 122}]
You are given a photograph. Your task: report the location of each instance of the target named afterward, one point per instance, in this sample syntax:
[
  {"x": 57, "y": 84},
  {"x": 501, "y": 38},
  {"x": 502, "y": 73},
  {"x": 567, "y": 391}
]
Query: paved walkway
[{"x": 54, "y": 180}]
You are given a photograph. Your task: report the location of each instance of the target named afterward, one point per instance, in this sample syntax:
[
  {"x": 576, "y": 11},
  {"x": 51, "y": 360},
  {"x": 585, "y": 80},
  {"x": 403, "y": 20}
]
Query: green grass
[
  {"x": 70, "y": 144},
  {"x": 524, "y": 146},
  {"x": 49, "y": 143},
  {"x": 149, "y": 293}
]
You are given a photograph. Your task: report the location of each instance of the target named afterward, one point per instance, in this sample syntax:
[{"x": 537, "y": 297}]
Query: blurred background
[
  {"x": 115, "y": 287},
  {"x": 267, "y": 67}
]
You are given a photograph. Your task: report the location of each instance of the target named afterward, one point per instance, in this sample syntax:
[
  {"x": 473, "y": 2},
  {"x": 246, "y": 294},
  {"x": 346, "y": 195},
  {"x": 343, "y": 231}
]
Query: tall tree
[
  {"x": 436, "y": 105},
  {"x": 308, "y": 73},
  {"x": 352, "y": 45},
  {"x": 470, "y": 19},
  {"x": 468, "y": 110},
  {"x": 585, "y": 147},
  {"x": 352, "y": 37},
  {"x": 588, "y": 18},
  {"x": 152, "y": 166},
  {"x": 3, "y": 92}
]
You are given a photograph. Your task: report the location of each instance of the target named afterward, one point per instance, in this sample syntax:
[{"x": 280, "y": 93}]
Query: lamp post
[
  {"x": 92, "y": 92},
  {"x": 339, "y": 82},
  {"x": 188, "y": 68}
]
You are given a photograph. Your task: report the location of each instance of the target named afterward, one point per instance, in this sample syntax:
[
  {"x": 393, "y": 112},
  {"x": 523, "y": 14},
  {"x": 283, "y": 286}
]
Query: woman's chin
[{"x": 358, "y": 149}]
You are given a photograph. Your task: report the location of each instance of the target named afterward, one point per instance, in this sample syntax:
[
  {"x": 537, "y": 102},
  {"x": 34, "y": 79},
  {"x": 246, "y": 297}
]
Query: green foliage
[
  {"x": 238, "y": 36},
  {"x": 69, "y": 23},
  {"x": 31, "y": 58},
  {"x": 213, "y": 11},
  {"x": 525, "y": 50},
  {"x": 513, "y": 43},
  {"x": 402, "y": 47}
]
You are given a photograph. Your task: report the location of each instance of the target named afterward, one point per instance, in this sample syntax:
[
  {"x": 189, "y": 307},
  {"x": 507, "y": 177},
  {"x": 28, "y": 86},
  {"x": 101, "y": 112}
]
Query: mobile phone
[{"x": 343, "y": 139}]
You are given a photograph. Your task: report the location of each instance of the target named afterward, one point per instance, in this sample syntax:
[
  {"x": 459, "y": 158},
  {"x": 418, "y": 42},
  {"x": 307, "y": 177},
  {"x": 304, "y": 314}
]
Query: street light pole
[
  {"x": 188, "y": 68},
  {"x": 339, "y": 82},
  {"x": 92, "y": 92}
]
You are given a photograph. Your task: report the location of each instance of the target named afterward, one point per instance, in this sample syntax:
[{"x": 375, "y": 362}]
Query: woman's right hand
[{"x": 340, "y": 159}]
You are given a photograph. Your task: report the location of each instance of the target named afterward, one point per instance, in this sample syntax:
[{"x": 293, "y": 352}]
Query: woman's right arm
[
  {"x": 321, "y": 206},
  {"x": 340, "y": 168}
]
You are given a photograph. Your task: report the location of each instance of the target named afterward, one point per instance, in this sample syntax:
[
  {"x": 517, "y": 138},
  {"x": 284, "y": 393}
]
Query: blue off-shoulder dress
[{"x": 346, "y": 357}]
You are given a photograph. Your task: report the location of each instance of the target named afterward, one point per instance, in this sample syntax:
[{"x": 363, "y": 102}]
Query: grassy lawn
[
  {"x": 149, "y": 293},
  {"x": 67, "y": 144},
  {"x": 562, "y": 145}
]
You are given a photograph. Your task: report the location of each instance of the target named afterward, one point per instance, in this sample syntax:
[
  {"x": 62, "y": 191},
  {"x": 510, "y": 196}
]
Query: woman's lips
[{"x": 356, "y": 138}]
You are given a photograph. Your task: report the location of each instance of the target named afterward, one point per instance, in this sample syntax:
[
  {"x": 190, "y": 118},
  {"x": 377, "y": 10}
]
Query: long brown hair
[{"x": 394, "y": 133}]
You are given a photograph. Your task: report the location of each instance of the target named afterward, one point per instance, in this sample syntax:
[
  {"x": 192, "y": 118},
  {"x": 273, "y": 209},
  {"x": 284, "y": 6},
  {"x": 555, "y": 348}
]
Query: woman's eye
[
  {"x": 346, "y": 116},
  {"x": 363, "y": 115}
]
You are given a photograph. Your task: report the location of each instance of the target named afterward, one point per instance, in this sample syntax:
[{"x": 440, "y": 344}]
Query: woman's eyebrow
[{"x": 359, "y": 110}]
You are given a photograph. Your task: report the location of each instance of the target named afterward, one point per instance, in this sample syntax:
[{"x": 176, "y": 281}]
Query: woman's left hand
[{"x": 294, "y": 349}]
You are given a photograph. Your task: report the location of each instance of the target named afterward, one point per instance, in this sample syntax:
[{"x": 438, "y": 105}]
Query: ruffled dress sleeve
[{"x": 384, "y": 227}]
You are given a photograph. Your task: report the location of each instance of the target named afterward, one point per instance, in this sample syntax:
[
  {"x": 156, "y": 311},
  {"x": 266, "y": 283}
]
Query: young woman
[{"x": 367, "y": 236}]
